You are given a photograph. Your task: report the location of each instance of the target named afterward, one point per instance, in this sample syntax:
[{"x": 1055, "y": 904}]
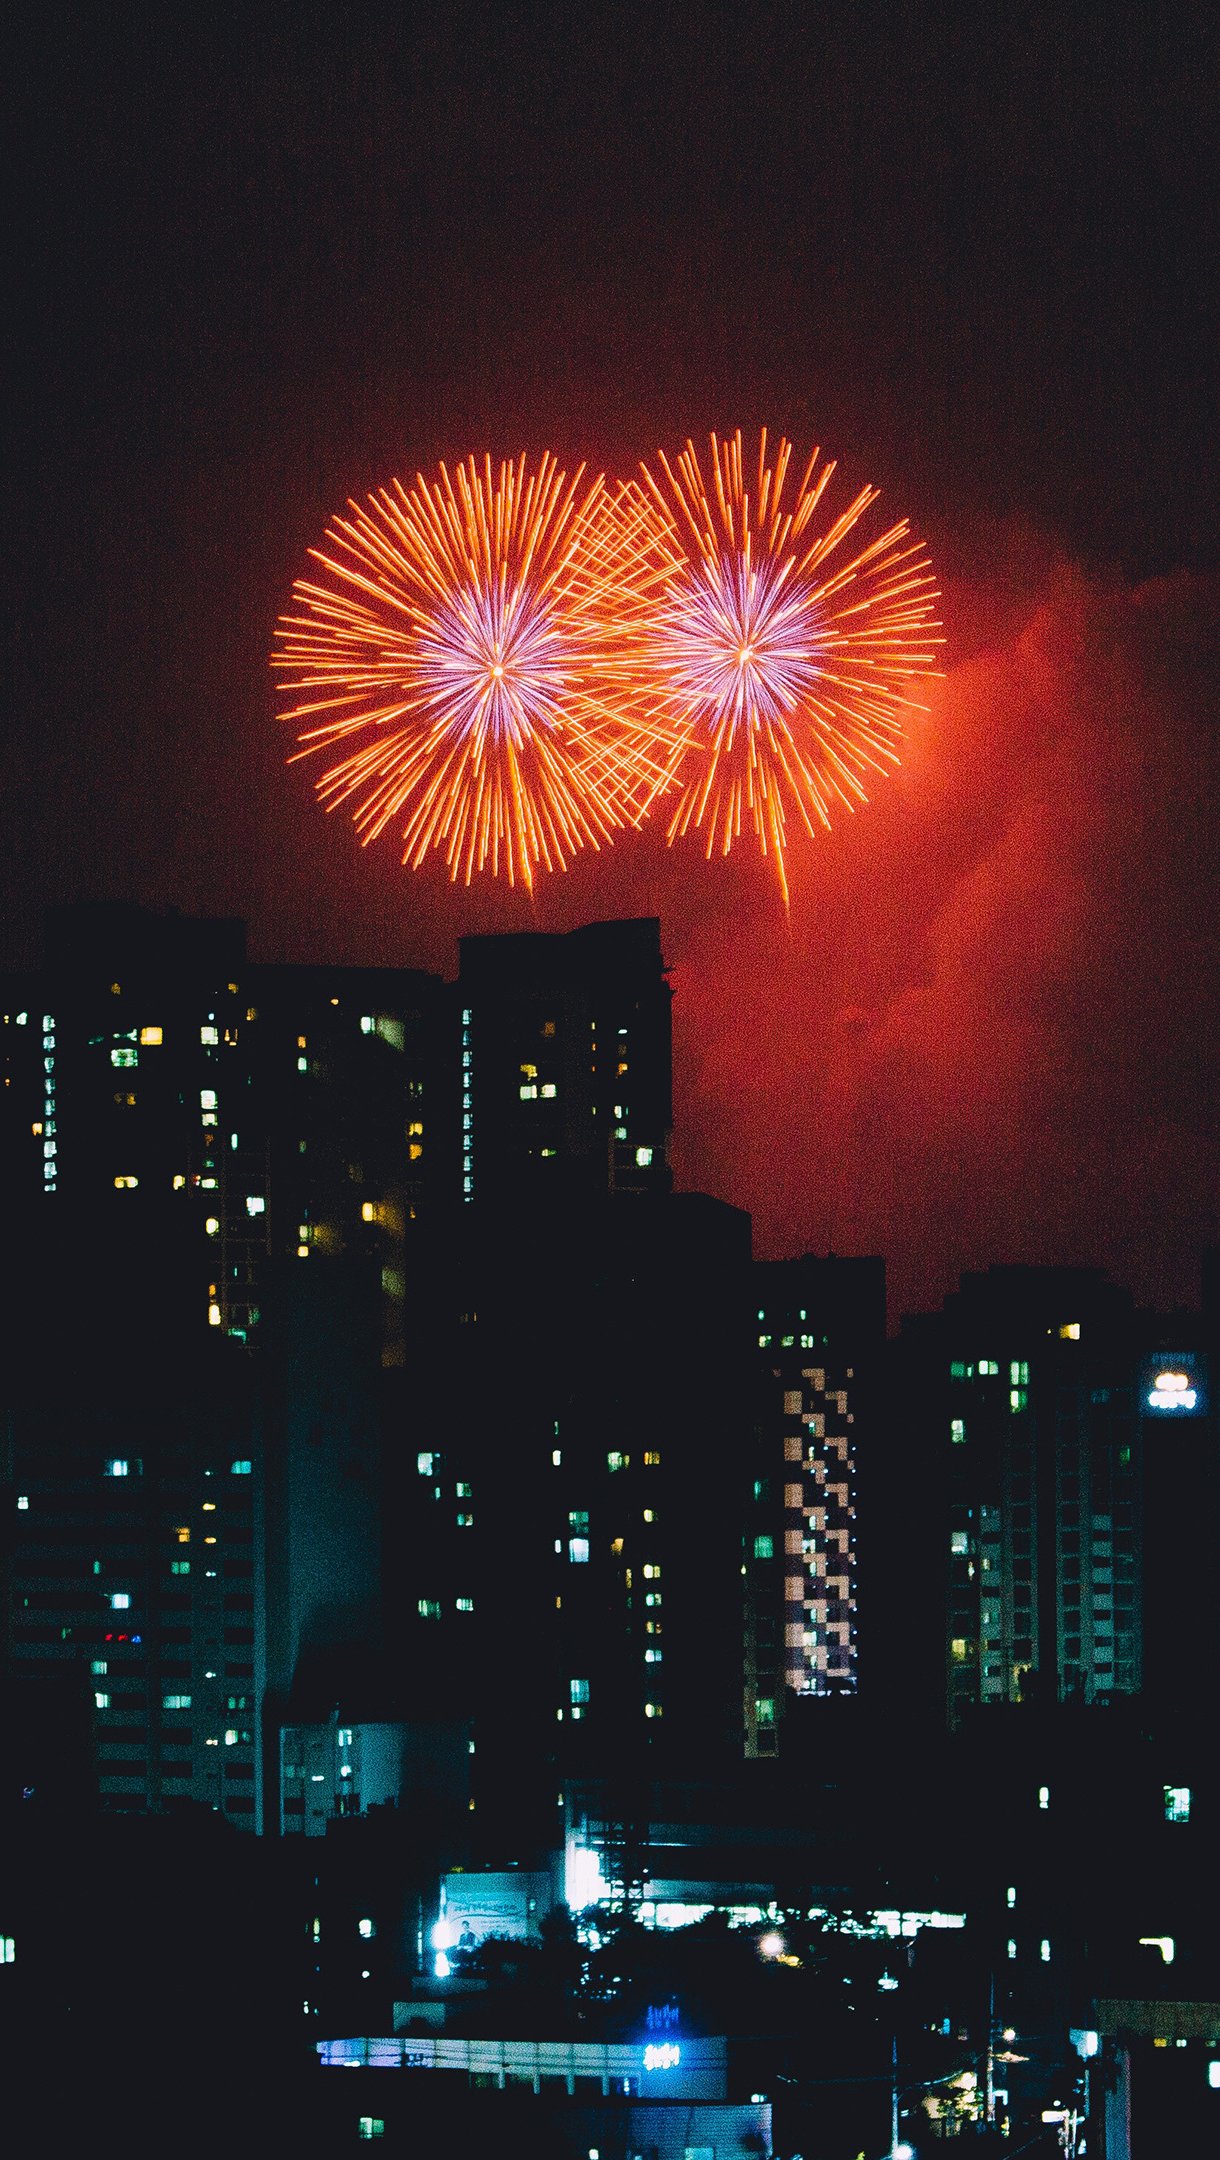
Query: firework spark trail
[
  {"x": 480, "y": 631},
  {"x": 785, "y": 673}
]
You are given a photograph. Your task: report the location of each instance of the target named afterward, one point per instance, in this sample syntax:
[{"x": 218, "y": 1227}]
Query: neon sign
[
  {"x": 1172, "y": 1391},
  {"x": 662, "y": 2055}
]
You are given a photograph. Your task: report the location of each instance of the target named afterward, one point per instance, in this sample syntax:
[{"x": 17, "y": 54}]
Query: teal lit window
[
  {"x": 578, "y": 1551},
  {"x": 578, "y": 1690},
  {"x": 764, "y": 1709},
  {"x": 764, "y": 1547},
  {"x": 615, "y": 1461},
  {"x": 987, "y": 1365},
  {"x": 429, "y": 1608},
  {"x": 180, "y": 1567},
  {"x": 958, "y": 1371},
  {"x": 1177, "y": 1803},
  {"x": 241, "y": 1468},
  {"x": 1018, "y": 1373},
  {"x": 957, "y": 1429}
]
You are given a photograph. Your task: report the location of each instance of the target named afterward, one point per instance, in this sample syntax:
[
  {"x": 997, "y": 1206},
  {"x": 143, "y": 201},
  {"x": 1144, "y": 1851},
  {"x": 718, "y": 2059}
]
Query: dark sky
[{"x": 268, "y": 259}]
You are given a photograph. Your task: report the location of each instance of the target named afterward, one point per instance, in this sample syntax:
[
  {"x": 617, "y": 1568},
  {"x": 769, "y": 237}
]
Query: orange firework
[
  {"x": 477, "y": 632},
  {"x": 781, "y": 655}
]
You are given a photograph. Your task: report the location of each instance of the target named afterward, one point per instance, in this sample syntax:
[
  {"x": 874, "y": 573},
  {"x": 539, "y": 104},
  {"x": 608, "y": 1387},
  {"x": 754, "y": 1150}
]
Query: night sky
[{"x": 268, "y": 259}]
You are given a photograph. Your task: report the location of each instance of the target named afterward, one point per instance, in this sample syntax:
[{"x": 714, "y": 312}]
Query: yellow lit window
[
  {"x": 1070, "y": 1333},
  {"x": 179, "y": 1182},
  {"x": 151, "y": 1035},
  {"x": 528, "y": 1071},
  {"x": 302, "y": 1252},
  {"x": 648, "y": 1515},
  {"x": 116, "y": 989},
  {"x": 182, "y": 1534},
  {"x": 213, "y": 1316},
  {"x": 652, "y": 1455},
  {"x": 126, "y": 1184},
  {"x": 209, "y": 1507},
  {"x": 209, "y": 1541},
  {"x": 212, "y": 1225},
  {"x": 300, "y": 1042},
  {"x": 958, "y": 1647},
  {"x": 36, "y": 1130},
  {"x": 369, "y": 1211}
]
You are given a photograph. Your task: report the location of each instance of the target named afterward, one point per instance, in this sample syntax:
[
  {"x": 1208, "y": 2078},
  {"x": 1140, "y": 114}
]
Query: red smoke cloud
[{"x": 988, "y": 1033}]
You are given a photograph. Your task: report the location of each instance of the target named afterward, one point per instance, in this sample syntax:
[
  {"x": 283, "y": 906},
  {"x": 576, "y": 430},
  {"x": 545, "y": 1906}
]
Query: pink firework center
[{"x": 477, "y": 634}]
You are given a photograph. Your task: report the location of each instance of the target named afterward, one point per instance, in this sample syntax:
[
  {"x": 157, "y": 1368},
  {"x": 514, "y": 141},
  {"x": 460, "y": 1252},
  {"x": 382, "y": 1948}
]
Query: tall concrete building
[
  {"x": 163, "y": 1095},
  {"x": 565, "y": 1053},
  {"x": 818, "y": 1336},
  {"x": 1020, "y": 1400}
]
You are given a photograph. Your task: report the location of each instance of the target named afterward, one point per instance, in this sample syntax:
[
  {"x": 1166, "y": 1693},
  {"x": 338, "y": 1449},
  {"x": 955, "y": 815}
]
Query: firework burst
[
  {"x": 781, "y": 654},
  {"x": 475, "y": 635}
]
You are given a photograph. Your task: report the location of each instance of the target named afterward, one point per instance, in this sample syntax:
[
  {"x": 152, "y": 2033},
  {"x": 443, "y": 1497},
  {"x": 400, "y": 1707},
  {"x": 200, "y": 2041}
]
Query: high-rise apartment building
[
  {"x": 565, "y": 1063},
  {"x": 575, "y": 1563},
  {"x": 164, "y": 1096},
  {"x": 1020, "y": 1398},
  {"x": 134, "y": 1561},
  {"x": 818, "y": 1332}
]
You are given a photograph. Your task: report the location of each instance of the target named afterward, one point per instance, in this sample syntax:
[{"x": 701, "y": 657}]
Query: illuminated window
[
  {"x": 528, "y": 1092},
  {"x": 101, "y": 1699},
  {"x": 119, "y": 1600},
  {"x": 643, "y": 1157},
  {"x": 23, "y": 1501},
  {"x": 124, "y": 1057},
  {"x": 651, "y": 1571},
  {"x": 366, "y": 1928},
  {"x": 959, "y": 1648},
  {"x": 302, "y": 1064},
  {"x": 1044, "y": 1796},
  {"x": 957, "y": 1430},
  {"x": 426, "y": 1464},
  {"x": 1017, "y": 1399},
  {"x": 209, "y": 1034},
  {"x": 652, "y": 1455},
  {"x": 764, "y": 1547},
  {"x": 1018, "y": 1373},
  {"x": 464, "y": 1604},
  {"x": 959, "y": 1541},
  {"x": 578, "y": 1550},
  {"x": 1070, "y": 1333},
  {"x": 213, "y": 1315},
  {"x": 175, "y": 1702},
  {"x": 578, "y": 1690},
  {"x": 1044, "y": 1950},
  {"x": 209, "y": 1506},
  {"x": 429, "y": 1608},
  {"x": 369, "y": 1211},
  {"x": 180, "y": 1567},
  {"x": 1177, "y": 1803},
  {"x": 241, "y": 1468},
  {"x": 549, "y": 1089},
  {"x": 988, "y": 1365},
  {"x": 8, "y": 1949},
  {"x": 126, "y": 1184},
  {"x": 212, "y": 1226},
  {"x": 150, "y": 1035},
  {"x": 371, "y": 2126},
  {"x": 255, "y": 1203},
  {"x": 764, "y": 1709},
  {"x": 615, "y": 1461},
  {"x": 116, "y": 1467}
]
